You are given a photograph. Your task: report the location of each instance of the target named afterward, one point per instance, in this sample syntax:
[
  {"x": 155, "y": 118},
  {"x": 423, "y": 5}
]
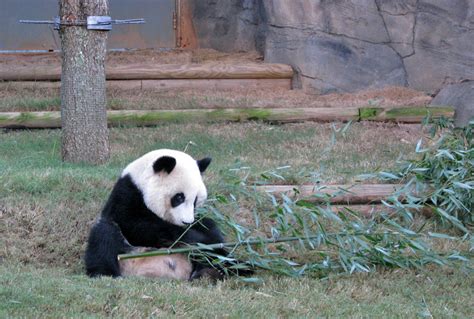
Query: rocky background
[{"x": 349, "y": 45}]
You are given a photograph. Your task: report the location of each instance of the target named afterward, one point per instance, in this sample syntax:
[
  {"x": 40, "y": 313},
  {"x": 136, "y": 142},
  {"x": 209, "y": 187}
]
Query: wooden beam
[
  {"x": 404, "y": 114},
  {"x": 204, "y": 84},
  {"x": 155, "y": 117},
  {"x": 156, "y": 85},
  {"x": 335, "y": 194},
  {"x": 15, "y": 120},
  {"x": 375, "y": 209},
  {"x": 163, "y": 71}
]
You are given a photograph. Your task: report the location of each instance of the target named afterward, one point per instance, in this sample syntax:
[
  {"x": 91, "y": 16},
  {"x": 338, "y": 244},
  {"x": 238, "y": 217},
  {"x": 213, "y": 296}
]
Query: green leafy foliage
[
  {"x": 293, "y": 237},
  {"x": 441, "y": 177}
]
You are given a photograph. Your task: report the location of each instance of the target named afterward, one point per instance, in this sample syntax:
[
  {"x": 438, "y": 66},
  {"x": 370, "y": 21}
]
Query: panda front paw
[{"x": 209, "y": 273}]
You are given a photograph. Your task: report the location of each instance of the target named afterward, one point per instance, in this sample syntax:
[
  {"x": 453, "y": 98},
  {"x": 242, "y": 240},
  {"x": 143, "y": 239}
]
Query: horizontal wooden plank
[
  {"x": 370, "y": 210},
  {"x": 201, "y": 71},
  {"x": 163, "y": 71},
  {"x": 154, "y": 117},
  {"x": 204, "y": 84},
  {"x": 166, "y": 84},
  {"x": 404, "y": 114},
  {"x": 336, "y": 194}
]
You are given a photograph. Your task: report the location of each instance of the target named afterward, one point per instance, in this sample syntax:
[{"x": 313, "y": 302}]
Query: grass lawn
[{"x": 47, "y": 208}]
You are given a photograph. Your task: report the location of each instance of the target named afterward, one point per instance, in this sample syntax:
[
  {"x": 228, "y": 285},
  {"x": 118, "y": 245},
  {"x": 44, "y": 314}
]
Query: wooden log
[
  {"x": 335, "y": 194},
  {"x": 15, "y": 120},
  {"x": 154, "y": 117},
  {"x": 201, "y": 71},
  {"x": 31, "y": 73},
  {"x": 147, "y": 118},
  {"x": 201, "y": 84},
  {"x": 404, "y": 114},
  {"x": 163, "y": 71},
  {"x": 376, "y": 209}
]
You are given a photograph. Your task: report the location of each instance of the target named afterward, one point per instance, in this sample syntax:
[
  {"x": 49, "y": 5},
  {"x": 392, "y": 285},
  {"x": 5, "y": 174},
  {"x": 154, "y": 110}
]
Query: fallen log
[
  {"x": 375, "y": 209},
  {"x": 166, "y": 84},
  {"x": 163, "y": 71},
  {"x": 404, "y": 114},
  {"x": 335, "y": 194},
  {"x": 154, "y": 117}
]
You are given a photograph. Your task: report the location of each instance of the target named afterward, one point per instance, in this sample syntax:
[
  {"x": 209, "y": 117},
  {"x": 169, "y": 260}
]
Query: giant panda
[{"x": 151, "y": 206}]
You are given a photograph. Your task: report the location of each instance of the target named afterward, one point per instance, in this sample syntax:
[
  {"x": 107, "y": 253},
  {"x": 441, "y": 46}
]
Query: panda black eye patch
[{"x": 177, "y": 200}]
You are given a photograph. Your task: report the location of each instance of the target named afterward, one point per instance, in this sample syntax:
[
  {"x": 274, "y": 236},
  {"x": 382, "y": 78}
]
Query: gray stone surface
[
  {"x": 347, "y": 45},
  {"x": 227, "y": 25},
  {"x": 461, "y": 96},
  {"x": 330, "y": 63},
  {"x": 337, "y": 45},
  {"x": 444, "y": 44}
]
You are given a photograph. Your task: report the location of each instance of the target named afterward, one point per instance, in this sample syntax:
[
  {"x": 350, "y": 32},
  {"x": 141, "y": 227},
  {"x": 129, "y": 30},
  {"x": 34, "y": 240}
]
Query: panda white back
[{"x": 171, "y": 184}]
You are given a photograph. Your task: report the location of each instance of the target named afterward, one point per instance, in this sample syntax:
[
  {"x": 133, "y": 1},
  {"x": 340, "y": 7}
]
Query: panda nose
[{"x": 187, "y": 224}]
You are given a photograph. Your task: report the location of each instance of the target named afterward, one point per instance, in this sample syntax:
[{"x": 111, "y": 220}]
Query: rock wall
[{"x": 348, "y": 45}]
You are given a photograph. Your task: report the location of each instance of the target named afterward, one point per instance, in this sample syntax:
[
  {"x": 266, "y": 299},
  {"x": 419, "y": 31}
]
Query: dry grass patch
[{"x": 14, "y": 97}]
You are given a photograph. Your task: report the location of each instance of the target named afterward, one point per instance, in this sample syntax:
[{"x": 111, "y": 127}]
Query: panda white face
[{"x": 171, "y": 184}]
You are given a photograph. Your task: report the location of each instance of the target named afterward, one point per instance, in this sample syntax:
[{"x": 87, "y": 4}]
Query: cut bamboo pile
[{"x": 274, "y": 115}]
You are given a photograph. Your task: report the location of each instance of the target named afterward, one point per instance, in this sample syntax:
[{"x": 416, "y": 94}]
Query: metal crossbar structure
[{"x": 103, "y": 23}]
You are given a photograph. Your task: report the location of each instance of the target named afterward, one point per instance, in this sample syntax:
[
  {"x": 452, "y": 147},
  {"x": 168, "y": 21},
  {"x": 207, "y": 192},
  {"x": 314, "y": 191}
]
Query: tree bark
[{"x": 83, "y": 98}]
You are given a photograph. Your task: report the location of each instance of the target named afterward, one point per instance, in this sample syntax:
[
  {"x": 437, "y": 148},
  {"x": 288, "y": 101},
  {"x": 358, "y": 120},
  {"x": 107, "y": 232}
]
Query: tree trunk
[{"x": 83, "y": 99}]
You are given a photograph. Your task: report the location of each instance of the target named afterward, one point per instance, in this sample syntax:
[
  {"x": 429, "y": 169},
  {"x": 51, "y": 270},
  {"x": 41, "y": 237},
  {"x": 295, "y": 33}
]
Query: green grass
[
  {"x": 47, "y": 208},
  {"x": 30, "y": 104},
  {"x": 31, "y": 292}
]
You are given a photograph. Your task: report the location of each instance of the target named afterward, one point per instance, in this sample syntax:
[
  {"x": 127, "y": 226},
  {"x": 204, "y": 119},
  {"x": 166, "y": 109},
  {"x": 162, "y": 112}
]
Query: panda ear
[
  {"x": 164, "y": 163},
  {"x": 204, "y": 163}
]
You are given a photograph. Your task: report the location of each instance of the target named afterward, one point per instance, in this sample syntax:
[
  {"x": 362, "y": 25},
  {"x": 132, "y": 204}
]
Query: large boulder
[
  {"x": 461, "y": 96},
  {"x": 443, "y": 45},
  {"x": 336, "y": 46},
  {"x": 347, "y": 45},
  {"x": 328, "y": 63}
]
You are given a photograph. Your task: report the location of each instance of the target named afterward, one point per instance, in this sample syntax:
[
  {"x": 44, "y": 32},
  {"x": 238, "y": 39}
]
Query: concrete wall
[{"x": 158, "y": 31}]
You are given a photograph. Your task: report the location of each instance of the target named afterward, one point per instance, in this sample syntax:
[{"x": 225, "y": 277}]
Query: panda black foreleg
[
  {"x": 206, "y": 231},
  {"x": 105, "y": 243}
]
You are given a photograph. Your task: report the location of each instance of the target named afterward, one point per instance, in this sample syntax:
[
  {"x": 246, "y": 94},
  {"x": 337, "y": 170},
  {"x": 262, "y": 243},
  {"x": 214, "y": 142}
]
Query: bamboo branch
[
  {"x": 162, "y": 252},
  {"x": 201, "y": 247}
]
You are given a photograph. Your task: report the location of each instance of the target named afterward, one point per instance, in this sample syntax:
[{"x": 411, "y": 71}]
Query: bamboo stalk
[
  {"x": 210, "y": 247},
  {"x": 192, "y": 248}
]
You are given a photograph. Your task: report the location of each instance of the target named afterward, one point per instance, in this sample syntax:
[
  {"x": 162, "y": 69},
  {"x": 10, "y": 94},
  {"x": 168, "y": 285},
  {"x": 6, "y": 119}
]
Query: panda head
[{"x": 171, "y": 184}]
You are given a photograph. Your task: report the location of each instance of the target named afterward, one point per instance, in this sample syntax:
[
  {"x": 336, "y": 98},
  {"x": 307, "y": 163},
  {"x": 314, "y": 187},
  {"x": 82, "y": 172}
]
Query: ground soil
[{"x": 390, "y": 96}]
